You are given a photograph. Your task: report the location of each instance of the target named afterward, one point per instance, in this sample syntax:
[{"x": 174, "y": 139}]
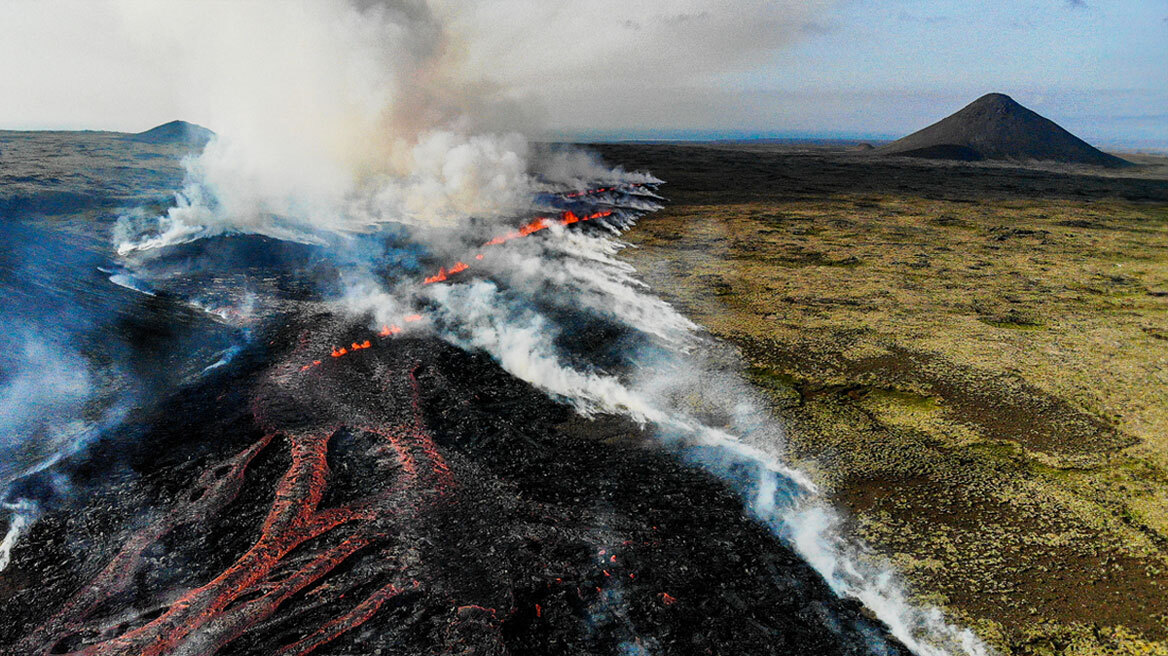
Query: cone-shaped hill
[
  {"x": 996, "y": 127},
  {"x": 175, "y": 132}
]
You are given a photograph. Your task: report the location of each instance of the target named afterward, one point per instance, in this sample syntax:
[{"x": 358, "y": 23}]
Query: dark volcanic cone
[
  {"x": 409, "y": 498},
  {"x": 996, "y": 127},
  {"x": 175, "y": 132}
]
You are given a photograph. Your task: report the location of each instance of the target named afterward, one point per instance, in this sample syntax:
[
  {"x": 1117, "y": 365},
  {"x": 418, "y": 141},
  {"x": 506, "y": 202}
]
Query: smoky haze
[
  {"x": 339, "y": 116},
  {"x": 129, "y": 64}
]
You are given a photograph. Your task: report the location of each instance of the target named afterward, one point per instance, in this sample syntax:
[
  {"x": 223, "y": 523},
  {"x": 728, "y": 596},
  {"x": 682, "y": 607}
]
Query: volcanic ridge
[
  {"x": 175, "y": 132},
  {"x": 996, "y": 127}
]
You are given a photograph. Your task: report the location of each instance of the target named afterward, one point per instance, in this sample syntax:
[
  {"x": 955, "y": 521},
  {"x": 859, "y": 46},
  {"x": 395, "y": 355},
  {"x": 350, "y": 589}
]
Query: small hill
[
  {"x": 175, "y": 132},
  {"x": 996, "y": 127}
]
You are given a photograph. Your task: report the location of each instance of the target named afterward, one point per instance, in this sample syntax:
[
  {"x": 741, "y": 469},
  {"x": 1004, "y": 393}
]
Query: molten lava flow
[
  {"x": 334, "y": 628},
  {"x": 458, "y": 267},
  {"x": 566, "y": 218},
  {"x": 539, "y": 224},
  {"x": 292, "y": 521},
  {"x": 211, "y": 493},
  {"x": 299, "y": 544},
  {"x": 543, "y": 223}
]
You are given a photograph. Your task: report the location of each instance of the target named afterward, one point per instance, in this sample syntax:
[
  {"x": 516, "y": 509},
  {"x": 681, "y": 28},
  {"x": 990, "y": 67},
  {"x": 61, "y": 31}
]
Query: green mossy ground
[{"x": 980, "y": 378}]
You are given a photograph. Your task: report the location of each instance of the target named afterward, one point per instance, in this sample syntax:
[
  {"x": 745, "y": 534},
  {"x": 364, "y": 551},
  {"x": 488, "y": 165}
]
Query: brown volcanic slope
[{"x": 996, "y": 127}]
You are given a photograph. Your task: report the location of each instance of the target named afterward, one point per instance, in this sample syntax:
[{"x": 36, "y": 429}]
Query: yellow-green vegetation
[{"x": 981, "y": 379}]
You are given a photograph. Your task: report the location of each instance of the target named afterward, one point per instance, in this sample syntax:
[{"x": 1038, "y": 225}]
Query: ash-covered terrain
[{"x": 217, "y": 446}]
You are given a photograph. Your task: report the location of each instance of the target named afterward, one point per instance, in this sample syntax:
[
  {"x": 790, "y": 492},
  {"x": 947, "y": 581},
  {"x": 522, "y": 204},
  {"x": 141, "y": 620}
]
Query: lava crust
[{"x": 410, "y": 498}]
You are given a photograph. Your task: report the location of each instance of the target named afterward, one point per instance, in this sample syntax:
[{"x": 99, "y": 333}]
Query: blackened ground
[{"x": 504, "y": 522}]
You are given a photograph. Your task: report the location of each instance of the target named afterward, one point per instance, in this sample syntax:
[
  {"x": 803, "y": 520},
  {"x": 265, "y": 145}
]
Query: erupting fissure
[
  {"x": 566, "y": 218},
  {"x": 302, "y": 547},
  {"x": 543, "y": 223}
]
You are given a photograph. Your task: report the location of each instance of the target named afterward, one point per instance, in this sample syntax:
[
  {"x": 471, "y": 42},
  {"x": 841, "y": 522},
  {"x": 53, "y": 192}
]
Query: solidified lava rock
[{"x": 411, "y": 498}]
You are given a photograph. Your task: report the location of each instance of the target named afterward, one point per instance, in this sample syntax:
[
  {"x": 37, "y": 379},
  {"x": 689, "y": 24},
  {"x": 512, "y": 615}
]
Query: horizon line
[{"x": 697, "y": 135}]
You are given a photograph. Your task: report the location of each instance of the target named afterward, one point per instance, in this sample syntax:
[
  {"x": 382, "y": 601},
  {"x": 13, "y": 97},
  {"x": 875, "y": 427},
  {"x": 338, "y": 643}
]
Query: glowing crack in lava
[
  {"x": 416, "y": 498},
  {"x": 542, "y": 223},
  {"x": 299, "y": 543},
  {"x": 566, "y": 218}
]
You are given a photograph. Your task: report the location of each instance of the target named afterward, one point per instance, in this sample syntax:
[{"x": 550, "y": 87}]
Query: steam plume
[{"x": 337, "y": 115}]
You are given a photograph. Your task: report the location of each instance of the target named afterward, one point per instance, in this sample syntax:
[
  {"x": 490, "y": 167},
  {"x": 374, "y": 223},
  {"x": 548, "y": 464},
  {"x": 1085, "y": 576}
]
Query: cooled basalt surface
[
  {"x": 411, "y": 498},
  {"x": 246, "y": 484}
]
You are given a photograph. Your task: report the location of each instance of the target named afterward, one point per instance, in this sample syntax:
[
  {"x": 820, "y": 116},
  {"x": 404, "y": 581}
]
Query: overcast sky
[{"x": 651, "y": 67}]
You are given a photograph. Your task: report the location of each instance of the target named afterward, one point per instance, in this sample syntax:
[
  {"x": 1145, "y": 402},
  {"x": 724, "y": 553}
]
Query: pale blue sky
[
  {"x": 626, "y": 68},
  {"x": 872, "y": 67},
  {"x": 1100, "y": 67}
]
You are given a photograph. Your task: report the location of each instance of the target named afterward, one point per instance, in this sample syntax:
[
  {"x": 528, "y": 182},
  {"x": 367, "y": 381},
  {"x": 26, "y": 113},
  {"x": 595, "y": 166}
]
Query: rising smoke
[
  {"x": 339, "y": 119},
  {"x": 53, "y": 399},
  {"x": 337, "y": 115},
  {"x": 42, "y": 401}
]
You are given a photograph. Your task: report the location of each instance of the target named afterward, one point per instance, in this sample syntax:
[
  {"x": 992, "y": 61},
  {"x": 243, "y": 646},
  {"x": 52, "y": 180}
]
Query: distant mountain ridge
[
  {"x": 996, "y": 127},
  {"x": 175, "y": 132}
]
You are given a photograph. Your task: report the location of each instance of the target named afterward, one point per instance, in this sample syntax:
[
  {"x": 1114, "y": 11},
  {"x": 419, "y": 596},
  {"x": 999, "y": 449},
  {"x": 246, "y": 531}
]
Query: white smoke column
[
  {"x": 339, "y": 116},
  {"x": 521, "y": 341},
  {"x": 42, "y": 405},
  {"x": 813, "y": 529},
  {"x": 23, "y": 515},
  {"x": 331, "y": 117}
]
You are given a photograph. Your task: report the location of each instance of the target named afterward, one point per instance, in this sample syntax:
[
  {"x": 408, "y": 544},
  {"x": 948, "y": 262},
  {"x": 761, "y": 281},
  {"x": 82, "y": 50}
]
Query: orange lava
[
  {"x": 541, "y": 223},
  {"x": 299, "y": 543},
  {"x": 325, "y": 634}
]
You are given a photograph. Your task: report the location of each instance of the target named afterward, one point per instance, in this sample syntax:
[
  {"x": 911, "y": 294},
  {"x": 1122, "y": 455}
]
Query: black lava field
[{"x": 299, "y": 482}]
